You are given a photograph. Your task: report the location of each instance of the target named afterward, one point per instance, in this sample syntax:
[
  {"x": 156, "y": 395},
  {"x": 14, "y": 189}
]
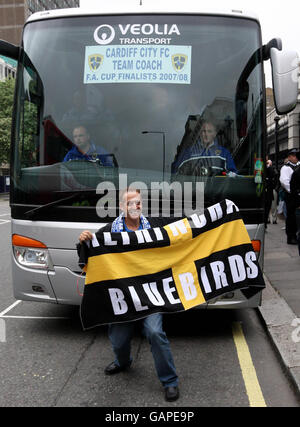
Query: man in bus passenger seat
[
  {"x": 205, "y": 154},
  {"x": 85, "y": 149},
  {"x": 120, "y": 334}
]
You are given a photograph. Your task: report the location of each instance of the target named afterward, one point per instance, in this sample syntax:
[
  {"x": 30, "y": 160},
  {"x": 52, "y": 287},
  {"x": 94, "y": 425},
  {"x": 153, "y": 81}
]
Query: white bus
[{"x": 137, "y": 79}]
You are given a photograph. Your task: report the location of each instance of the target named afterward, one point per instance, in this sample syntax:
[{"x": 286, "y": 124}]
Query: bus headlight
[
  {"x": 32, "y": 258},
  {"x": 31, "y": 253}
]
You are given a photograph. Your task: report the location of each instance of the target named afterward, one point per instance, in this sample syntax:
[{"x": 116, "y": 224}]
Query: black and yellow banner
[{"x": 173, "y": 268}]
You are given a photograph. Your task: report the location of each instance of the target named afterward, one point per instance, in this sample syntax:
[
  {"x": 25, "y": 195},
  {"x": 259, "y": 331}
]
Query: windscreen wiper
[{"x": 32, "y": 212}]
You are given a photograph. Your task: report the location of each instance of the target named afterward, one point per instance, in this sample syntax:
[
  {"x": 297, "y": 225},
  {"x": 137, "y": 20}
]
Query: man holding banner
[
  {"x": 120, "y": 334},
  {"x": 150, "y": 270}
]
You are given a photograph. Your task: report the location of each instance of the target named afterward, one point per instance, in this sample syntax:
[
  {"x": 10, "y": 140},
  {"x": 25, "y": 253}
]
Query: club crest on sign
[
  {"x": 95, "y": 61},
  {"x": 179, "y": 60}
]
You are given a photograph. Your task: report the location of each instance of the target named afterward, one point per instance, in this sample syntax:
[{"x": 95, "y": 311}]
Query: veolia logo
[{"x": 105, "y": 36}]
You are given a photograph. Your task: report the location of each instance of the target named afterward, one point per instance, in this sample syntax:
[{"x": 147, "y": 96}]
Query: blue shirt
[
  {"x": 215, "y": 156},
  {"x": 127, "y": 229},
  {"x": 93, "y": 154}
]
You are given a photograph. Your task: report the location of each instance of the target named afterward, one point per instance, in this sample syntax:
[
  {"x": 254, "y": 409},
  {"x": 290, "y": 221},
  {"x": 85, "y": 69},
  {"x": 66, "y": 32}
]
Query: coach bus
[{"x": 134, "y": 81}]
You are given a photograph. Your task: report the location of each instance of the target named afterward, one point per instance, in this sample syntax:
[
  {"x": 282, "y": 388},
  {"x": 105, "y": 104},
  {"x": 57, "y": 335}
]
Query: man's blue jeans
[{"x": 120, "y": 335}]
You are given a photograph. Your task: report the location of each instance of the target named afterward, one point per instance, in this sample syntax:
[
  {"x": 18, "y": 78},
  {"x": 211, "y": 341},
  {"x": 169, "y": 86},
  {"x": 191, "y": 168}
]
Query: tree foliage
[{"x": 6, "y": 105}]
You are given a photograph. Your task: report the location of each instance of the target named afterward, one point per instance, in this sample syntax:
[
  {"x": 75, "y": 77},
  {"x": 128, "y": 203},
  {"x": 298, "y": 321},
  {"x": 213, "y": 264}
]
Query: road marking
[
  {"x": 34, "y": 317},
  {"x": 9, "y": 308},
  {"x": 253, "y": 389}
]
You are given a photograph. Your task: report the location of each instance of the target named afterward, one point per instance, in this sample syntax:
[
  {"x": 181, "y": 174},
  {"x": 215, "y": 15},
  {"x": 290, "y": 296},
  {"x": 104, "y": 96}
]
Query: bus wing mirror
[{"x": 285, "y": 79}]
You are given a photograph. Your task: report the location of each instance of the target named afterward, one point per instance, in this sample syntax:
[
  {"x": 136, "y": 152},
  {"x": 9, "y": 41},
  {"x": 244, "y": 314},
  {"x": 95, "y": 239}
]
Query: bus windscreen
[{"x": 150, "y": 99}]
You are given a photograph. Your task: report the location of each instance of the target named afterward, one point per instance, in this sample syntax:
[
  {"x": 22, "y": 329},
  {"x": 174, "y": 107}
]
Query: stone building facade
[{"x": 13, "y": 14}]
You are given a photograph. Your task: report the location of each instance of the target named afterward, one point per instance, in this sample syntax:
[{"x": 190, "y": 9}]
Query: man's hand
[{"x": 85, "y": 236}]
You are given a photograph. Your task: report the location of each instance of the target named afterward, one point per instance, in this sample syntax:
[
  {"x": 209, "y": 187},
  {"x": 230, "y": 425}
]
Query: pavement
[{"x": 280, "y": 309}]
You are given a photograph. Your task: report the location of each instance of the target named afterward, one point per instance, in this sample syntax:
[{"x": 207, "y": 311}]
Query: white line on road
[
  {"x": 4, "y": 316},
  {"x": 10, "y": 308},
  {"x": 34, "y": 317}
]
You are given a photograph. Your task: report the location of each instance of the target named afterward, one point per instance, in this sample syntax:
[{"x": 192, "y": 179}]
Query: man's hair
[
  {"x": 81, "y": 126},
  {"x": 208, "y": 122},
  {"x": 294, "y": 154},
  {"x": 210, "y": 119},
  {"x": 128, "y": 190}
]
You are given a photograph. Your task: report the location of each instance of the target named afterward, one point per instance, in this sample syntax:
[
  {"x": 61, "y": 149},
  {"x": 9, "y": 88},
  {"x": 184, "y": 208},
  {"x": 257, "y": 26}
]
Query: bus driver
[
  {"x": 205, "y": 152},
  {"x": 85, "y": 149}
]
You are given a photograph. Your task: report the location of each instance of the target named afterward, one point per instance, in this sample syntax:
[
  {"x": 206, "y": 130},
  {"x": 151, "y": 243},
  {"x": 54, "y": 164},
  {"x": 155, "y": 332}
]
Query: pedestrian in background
[
  {"x": 285, "y": 178},
  {"x": 270, "y": 189},
  {"x": 295, "y": 194}
]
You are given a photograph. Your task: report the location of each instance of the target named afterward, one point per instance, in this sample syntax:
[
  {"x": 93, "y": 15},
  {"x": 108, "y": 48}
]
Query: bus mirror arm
[
  {"x": 10, "y": 50},
  {"x": 284, "y": 73},
  {"x": 258, "y": 56},
  {"x": 274, "y": 43}
]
